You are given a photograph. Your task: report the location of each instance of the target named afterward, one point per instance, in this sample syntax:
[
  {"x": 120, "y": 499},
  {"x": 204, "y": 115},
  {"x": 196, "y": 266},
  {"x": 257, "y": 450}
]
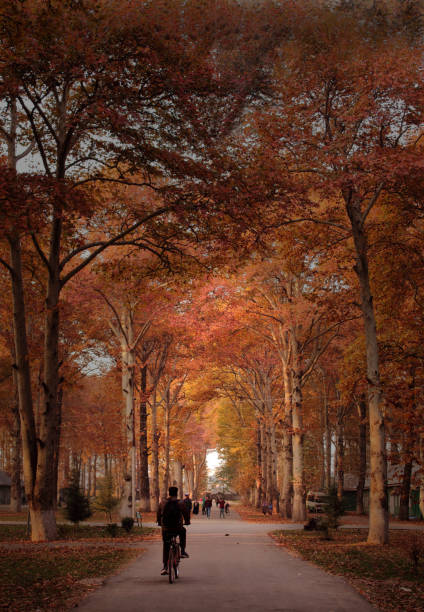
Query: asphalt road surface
[{"x": 233, "y": 565}]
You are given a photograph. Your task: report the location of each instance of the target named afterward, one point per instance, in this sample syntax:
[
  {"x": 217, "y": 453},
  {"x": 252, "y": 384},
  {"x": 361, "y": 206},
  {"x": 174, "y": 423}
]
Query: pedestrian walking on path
[
  {"x": 221, "y": 508},
  {"x": 208, "y": 507}
]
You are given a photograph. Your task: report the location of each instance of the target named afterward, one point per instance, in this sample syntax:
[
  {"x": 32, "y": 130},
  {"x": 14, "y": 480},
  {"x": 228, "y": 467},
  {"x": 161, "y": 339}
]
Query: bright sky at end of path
[{"x": 213, "y": 461}]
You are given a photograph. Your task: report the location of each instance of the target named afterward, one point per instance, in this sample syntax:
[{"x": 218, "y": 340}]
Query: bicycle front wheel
[{"x": 171, "y": 564}]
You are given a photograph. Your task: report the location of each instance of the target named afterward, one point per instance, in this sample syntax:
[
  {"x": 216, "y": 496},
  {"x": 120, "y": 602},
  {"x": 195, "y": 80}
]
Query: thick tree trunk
[
  {"x": 16, "y": 488},
  {"x": 287, "y": 451},
  {"x": 258, "y": 494},
  {"x": 89, "y": 473},
  {"x": 421, "y": 493},
  {"x": 23, "y": 375},
  {"x": 327, "y": 455},
  {"x": 269, "y": 488},
  {"x": 340, "y": 460},
  {"x": 379, "y": 524},
  {"x": 263, "y": 463},
  {"x": 362, "y": 410},
  {"x": 299, "y": 502},
  {"x": 144, "y": 451},
  {"x": 155, "y": 492},
  {"x": 405, "y": 491},
  {"x": 43, "y": 505},
  {"x": 127, "y": 504},
  {"x": 166, "y": 444},
  {"x": 178, "y": 467},
  {"x": 95, "y": 476},
  {"x": 275, "y": 494}
]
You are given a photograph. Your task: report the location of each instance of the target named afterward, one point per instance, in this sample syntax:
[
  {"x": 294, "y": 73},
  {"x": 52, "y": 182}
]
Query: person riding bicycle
[{"x": 172, "y": 515}]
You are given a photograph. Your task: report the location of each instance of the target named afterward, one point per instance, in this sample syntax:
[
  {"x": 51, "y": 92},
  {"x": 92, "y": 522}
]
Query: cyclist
[{"x": 172, "y": 515}]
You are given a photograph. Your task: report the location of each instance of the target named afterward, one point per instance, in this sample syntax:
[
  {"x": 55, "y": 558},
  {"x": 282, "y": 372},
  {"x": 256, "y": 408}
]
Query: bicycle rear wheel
[{"x": 171, "y": 562}]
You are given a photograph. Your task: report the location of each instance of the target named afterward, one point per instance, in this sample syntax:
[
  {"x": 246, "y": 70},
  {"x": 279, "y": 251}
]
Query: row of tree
[{"x": 277, "y": 146}]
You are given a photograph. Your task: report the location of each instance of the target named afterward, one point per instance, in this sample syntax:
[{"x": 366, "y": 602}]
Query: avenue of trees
[{"x": 211, "y": 234}]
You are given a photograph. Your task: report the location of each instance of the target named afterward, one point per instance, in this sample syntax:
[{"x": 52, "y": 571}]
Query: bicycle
[{"x": 173, "y": 559}]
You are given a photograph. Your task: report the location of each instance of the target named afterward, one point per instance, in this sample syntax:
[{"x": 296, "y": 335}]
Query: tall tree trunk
[
  {"x": 275, "y": 494},
  {"x": 258, "y": 494},
  {"x": 405, "y": 491},
  {"x": 155, "y": 456},
  {"x": 379, "y": 520},
  {"x": 89, "y": 474},
  {"x": 190, "y": 482},
  {"x": 340, "y": 460},
  {"x": 299, "y": 502},
  {"x": 421, "y": 492},
  {"x": 327, "y": 453},
  {"x": 178, "y": 466},
  {"x": 269, "y": 490},
  {"x": 127, "y": 504},
  {"x": 362, "y": 413},
  {"x": 167, "y": 409},
  {"x": 144, "y": 451},
  {"x": 42, "y": 509},
  {"x": 95, "y": 476},
  {"x": 263, "y": 462},
  {"x": 287, "y": 450},
  {"x": 16, "y": 488}
]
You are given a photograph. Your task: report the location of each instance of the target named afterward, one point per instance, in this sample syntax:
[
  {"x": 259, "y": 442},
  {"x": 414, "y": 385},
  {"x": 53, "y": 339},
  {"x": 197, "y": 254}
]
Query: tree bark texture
[
  {"x": 340, "y": 460},
  {"x": 155, "y": 492},
  {"x": 299, "y": 502},
  {"x": 287, "y": 451},
  {"x": 379, "y": 524},
  {"x": 127, "y": 504},
  {"x": 167, "y": 409},
  {"x": 405, "y": 491},
  {"x": 362, "y": 413},
  {"x": 144, "y": 450},
  {"x": 258, "y": 494}
]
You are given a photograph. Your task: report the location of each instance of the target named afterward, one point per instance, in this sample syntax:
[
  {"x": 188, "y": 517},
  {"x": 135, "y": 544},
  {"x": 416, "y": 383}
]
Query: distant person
[
  {"x": 227, "y": 508},
  {"x": 196, "y": 507},
  {"x": 264, "y": 508},
  {"x": 188, "y": 502},
  {"x": 208, "y": 507},
  {"x": 270, "y": 508},
  {"x": 172, "y": 515},
  {"x": 221, "y": 508}
]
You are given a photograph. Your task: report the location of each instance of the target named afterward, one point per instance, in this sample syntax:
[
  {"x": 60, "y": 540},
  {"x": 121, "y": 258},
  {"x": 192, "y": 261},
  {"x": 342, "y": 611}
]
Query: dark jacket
[
  {"x": 185, "y": 513},
  {"x": 187, "y": 501}
]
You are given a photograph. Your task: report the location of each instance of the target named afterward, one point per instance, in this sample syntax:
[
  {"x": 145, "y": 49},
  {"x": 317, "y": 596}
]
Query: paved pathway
[{"x": 233, "y": 566}]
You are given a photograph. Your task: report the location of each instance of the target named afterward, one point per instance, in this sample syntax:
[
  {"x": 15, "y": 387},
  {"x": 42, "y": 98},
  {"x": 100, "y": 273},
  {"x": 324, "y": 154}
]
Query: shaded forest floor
[
  {"x": 56, "y": 578},
  {"x": 391, "y": 577}
]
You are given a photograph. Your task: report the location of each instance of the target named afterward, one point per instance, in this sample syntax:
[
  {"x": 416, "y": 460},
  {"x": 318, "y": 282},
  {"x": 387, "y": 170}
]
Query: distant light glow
[{"x": 213, "y": 461}]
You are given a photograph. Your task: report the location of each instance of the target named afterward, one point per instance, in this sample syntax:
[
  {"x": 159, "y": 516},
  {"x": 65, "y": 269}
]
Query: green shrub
[
  {"x": 127, "y": 523},
  {"x": 77, "y": 504},
  {"x": 112, "y": 529},
  {"x": 106, "y": 501}
]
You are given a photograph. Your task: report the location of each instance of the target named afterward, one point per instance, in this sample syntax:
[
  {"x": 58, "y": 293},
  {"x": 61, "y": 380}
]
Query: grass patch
[
  {"x": 13, "y": 533},
  {"x": 50, "y": 578},
  {"x": 386, "y": 575}
]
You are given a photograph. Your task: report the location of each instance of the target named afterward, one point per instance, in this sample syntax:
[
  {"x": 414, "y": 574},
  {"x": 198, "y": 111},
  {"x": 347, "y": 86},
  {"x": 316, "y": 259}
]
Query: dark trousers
[{"x": 166, "y": 537}]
